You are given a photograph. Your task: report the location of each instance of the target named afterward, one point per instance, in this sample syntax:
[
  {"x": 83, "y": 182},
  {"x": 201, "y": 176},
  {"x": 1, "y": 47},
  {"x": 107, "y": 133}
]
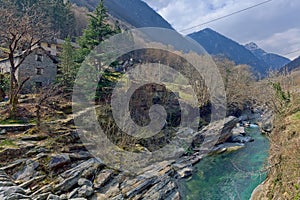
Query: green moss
[
  {"x": 7, "y": 142},
  {"x": 296, "y": 116},
  {"x": 12, "y": 121}
]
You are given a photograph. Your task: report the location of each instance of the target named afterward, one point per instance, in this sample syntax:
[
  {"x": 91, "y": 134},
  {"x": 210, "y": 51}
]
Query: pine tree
[
  {"x": 97, "y": 31},
  {"x": 68, "y": 67}
]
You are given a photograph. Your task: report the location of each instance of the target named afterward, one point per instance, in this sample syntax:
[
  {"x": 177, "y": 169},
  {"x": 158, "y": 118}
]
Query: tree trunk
[{"x": 13, "y": 100}]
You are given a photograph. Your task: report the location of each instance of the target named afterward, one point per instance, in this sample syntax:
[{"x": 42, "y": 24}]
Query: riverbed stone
[
  {"x": 103, "y": 177},
  {"x": 63, "y": 197},
  {"x": 53, "y": 197},
  {"x": 239, "y": 131},
  {"x": 84, "y": 181},
  {"x": 3, "y": 132},
  {"x": 42, "y": 196},
  {"x": 59, "y": 161},
  {"x": 240, "y": 139},
  {"x": 85, "y": 191},
  {"x": 86, "y": 166},
  {"x": 73, "y": 194},
  {"x": 28, "y": 171},
  {"x": 185, "y": 172},
  {"x": 68, "y": 183},
  {"x": 215, "y": 133},
  {"x": 13, "y": 192}
]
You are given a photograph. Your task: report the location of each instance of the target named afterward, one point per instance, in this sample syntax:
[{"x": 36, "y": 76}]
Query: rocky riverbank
[{"x": 56, "y": 165}]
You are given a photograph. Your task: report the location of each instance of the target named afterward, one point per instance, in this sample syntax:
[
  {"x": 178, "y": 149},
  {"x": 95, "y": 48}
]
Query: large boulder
[
  {"x": 215, "y": 133},
  {"x": 266, "y": 123}
]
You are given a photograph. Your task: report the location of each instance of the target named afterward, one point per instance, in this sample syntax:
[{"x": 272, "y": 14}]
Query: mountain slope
[
  {"x": 134, "y": 12},
  {"x": 217, "y": 44},
  {"x": 292, "y": 66},
  {"x": 274, "y": 61}
]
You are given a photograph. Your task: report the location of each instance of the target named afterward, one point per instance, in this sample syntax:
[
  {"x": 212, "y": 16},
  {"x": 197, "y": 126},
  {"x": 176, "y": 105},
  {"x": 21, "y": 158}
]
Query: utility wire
[
  {"x": 225, "y": 16},
  {"x": 292, "y": 52}
]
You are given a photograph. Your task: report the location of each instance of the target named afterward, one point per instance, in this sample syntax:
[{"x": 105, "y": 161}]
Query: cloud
[
  {"x": 285, "y": 42},
  {"x": 257, "y": 24}
]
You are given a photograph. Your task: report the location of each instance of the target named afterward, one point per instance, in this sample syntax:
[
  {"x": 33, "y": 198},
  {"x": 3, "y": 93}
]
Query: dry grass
[{"x": 283, "y": 180}]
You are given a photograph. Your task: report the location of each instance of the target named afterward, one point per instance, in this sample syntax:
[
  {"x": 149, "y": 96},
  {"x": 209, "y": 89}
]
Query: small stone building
[{"x": 40, "y": 66}]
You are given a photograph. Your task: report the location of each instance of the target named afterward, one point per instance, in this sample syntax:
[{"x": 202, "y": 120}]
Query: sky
[{"x": 273, "y": 26}]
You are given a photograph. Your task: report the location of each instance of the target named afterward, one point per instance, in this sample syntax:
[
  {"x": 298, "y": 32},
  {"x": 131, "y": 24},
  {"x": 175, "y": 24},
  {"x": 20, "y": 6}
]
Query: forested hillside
[{"x": 58, "y": 14}]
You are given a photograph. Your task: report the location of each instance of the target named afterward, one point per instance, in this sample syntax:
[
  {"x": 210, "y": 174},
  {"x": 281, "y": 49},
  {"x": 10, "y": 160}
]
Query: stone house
[{"x": 40, "y": 66}]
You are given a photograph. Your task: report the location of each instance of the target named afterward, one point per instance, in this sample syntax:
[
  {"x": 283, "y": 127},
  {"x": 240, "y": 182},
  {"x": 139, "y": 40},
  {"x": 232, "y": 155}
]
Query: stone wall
[{"x": 42, "y": 71}]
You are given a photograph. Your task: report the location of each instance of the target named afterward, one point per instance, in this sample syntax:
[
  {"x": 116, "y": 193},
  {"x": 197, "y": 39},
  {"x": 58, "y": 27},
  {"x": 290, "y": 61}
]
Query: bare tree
[
  {"x": 20, "y": 32},
  {"x": 45, "y": 96}
]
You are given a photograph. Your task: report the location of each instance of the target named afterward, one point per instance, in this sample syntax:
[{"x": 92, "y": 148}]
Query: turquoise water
[{"x": 229, "y": 175}]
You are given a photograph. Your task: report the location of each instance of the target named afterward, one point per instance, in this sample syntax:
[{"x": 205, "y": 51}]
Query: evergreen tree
[
  {"x": 68, "y": 67},
  {"x": 97, "y": 31}
]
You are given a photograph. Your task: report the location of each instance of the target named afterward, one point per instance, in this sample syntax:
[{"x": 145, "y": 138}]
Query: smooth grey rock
[
  {"x": 53, "y": 197},
  {"x": 241, "y": 139},
  {"x": 118, "y": 197},
  {"x": 28, "y": 183},
  {"x": 42, "y": 196},
  {"x": 59, "y": 160},
  {"x": 3, "y": 132},
  {"x": 44, "y": 189},
  {"x": 16, "y": 196},
  {"x": 173, "y": 196},
  {"x": 28, "y": 172},
  {"x": 157, "y": 191},
  {"x": 239, "y": 130},
  {"x": 82, "y": 155},
  {"x": 12, "y": 190},
  {"x": 85, "y": 191},
  {"x": 6, "y": 184},
  {"x": 215, "y": 133},
  {"x": 73, "y": 194},
  {"x": 228, "y": 147},
  {"x": 82, "y": 167},
  {"x": 68, "y": 183},
  {"x": 139, "y": 187},
  {"x": 267, "y": 122},
  {"x": 14, "y": 164},
  {"x": 185, "y": 172},
  {"x": 63, "y": 197},
  {"x": 103, "y": 177},
  {"x": 41, "y": 155},
  {"x": 37, "y": 151},
  {"x": 84, "y": 181},
  {"x": 98, "y": 196}
]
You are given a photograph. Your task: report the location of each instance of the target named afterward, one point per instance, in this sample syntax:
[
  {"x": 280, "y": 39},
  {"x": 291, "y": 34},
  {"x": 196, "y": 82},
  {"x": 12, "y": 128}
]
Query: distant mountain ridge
[
  {"x": 134, "y": 12},
  {"x": 292, "y": 66},
  {"x": 217, "y": 44},
  {"x": 274, "y": 61}
]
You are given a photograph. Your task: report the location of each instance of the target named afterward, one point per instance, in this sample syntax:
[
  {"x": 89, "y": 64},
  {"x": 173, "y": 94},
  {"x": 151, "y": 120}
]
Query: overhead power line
[
  {"x": 225, "y": 16},
  {"x": 291, "y": 52}
]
